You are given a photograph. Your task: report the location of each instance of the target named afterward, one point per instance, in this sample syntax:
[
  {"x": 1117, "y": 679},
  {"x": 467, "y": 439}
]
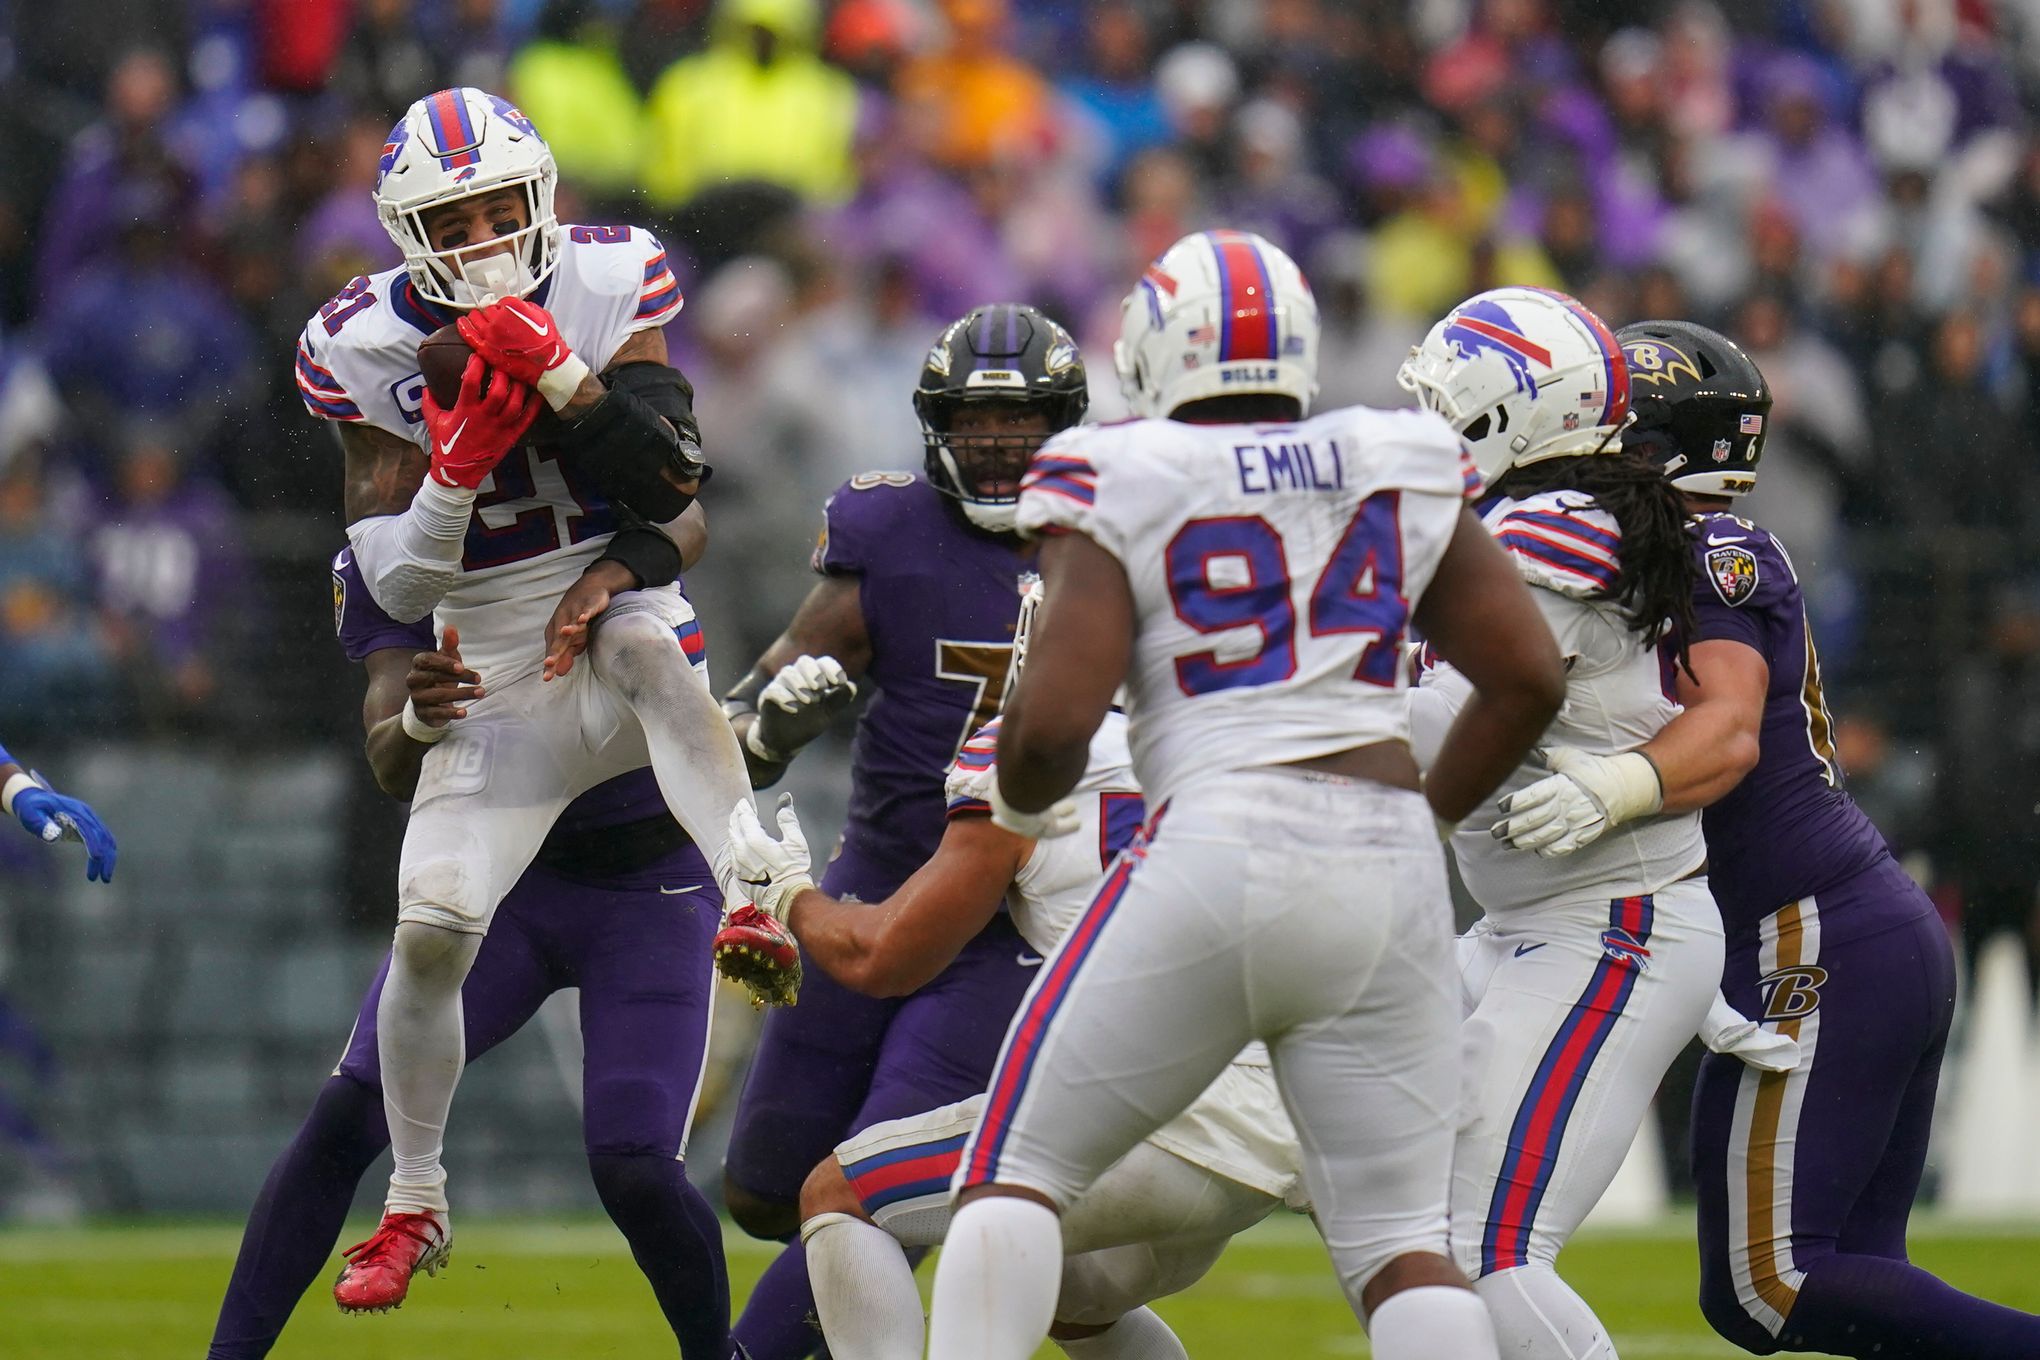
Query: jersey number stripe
[{"x": 1231, "y": 572}]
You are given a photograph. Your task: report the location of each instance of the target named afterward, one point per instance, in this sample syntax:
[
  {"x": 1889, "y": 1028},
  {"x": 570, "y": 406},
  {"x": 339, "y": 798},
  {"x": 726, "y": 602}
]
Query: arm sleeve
[{"x": 410, "y": 561}]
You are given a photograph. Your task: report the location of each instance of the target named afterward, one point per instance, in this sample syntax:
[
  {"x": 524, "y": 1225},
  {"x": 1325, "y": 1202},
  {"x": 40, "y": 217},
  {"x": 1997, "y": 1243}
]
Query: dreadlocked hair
[{"x": 1655, "y": 576}]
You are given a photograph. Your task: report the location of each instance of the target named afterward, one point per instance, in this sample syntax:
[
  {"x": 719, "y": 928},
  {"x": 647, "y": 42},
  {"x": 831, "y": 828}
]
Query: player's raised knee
[
  {"x": 440, "y": 892},
  {"x": 770, "y": 1220},
  {"x": 428, "y": 951},
  {"x": 630, "y": 649},
  {"x": 1726, "y": 1314}
]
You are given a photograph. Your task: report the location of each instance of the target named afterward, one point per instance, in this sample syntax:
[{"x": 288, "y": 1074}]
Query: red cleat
[
  {"x": 378, "y": 1272},
  {"x": 760, "y": 953}
]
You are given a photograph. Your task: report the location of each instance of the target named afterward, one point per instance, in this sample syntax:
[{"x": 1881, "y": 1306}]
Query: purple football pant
[
  {"x": 1806, "y": 1178},
  {"x": 640, "y": 956}
]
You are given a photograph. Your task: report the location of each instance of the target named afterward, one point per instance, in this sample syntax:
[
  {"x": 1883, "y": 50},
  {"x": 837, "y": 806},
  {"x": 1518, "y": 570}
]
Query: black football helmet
[
  {"x": 1005, "y": 353},
  {"x": 1701, "y": 405}
]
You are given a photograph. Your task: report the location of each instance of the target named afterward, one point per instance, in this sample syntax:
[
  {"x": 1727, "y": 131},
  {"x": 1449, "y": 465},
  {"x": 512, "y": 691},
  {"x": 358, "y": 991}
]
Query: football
[{"x": 443, "y": 356}]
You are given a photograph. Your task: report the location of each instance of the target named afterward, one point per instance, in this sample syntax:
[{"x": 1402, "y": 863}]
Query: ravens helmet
[
  {"x": 1007, "y": 355},
  {"x": 1701, "y": 406}
]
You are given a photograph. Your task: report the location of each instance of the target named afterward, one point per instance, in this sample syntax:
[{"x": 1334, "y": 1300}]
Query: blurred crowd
[{"x": 1850, "y": 187}]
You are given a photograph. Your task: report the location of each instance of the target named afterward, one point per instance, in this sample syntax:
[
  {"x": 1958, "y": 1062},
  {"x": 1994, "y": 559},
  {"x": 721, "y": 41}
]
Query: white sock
[
  {"x": 864, "y": 1290},
  {"x": 997, "y": 1280},
  {"x": 421, "y": 1049},
  {"x": 1140, "y": 1335},
  {"x": 1432, "y": 1322},
  {"x": 1538, "y": 1316},
  {"x": 694, "y": 753}
]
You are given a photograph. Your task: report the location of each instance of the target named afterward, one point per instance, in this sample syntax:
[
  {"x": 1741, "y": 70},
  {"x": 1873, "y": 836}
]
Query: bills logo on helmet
[
  {"x": 1734, "y": 573},
  {"x": 1487, "y": 326},
  {"x": 394, "y": 147},
  {"x": 1792, "y": 993},
  {"x": 509, "y": 113}
]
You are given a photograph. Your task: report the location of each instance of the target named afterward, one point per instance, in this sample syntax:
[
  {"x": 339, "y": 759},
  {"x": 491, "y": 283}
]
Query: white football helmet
[
  {"x": 1523, "y": 374},
  {"x": 451, "y": 145},
  {"x": 1221, "y": 313}
]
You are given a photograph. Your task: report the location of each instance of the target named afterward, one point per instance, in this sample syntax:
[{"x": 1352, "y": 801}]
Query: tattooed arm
[{"x": 407, "y": 529}]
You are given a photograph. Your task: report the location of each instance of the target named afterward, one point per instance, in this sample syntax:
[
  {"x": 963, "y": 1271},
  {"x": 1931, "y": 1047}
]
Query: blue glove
[{"x": 51, "y": 816}]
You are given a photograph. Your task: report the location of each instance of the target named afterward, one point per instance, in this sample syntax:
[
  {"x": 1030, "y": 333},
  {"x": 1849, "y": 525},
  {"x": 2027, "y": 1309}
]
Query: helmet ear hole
[
  {"x": 1501, "y": 419},
  {"x": 1477, "y": 430}
]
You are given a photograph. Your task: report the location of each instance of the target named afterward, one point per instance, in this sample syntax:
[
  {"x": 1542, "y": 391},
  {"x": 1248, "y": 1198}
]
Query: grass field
[{"x": 535, "y": 1291}]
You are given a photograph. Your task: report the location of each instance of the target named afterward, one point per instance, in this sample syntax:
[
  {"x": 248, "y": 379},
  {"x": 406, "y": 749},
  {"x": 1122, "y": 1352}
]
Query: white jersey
[
  {"x": 1061, "y": 876},
  {"x": 534, "y": 528},
  {"x": 1273, "y": 567},
  {"x": 1615, "y": 700}
]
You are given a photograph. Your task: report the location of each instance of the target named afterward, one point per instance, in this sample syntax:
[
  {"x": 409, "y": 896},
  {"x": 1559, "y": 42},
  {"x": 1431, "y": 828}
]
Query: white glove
[
  {"x": 773, "y": 871},
  {"x": 1727, "y": 1030},
  {"x": 1059, "y": 818},
  {"x": 1583, "y": 798},
  {"x": 798, "y": 706}
]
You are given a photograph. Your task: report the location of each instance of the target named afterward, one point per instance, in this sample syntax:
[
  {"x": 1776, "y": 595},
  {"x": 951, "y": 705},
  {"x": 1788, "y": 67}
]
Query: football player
[
  {"x": 1173, "y": 1202},
  {"x": 618, "y": 903},
  {"x": 919, "y": 594},
  {"x": 1587, "y": 975},
  {"x": 1806, "y": 1176},
  {"x": 50, "y": 816},
  {"x": 1248, "y": 574},
  {"x": 455, "y": 512}
]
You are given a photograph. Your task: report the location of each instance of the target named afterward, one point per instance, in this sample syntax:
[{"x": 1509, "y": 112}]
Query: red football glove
[
  {"x": 758, "y": 952},
  {"x": 469, "y": 440},
  {"x": 523, "y": 340}
]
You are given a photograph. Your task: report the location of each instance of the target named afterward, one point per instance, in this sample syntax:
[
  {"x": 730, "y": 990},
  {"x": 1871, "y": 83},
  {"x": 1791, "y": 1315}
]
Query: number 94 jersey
[
  {"x": 1273, "y": 568},
  {"x": 534, "y": 525}
]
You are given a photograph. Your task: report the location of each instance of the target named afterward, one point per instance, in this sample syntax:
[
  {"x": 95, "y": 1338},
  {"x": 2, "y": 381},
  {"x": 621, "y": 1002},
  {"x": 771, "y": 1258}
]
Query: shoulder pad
[
  {"x": 627, "y": 262},
  {"x": 863, "y": 515},
  {"x": 1739, "y": 559},
  {"x": 1561, "y": 541}
]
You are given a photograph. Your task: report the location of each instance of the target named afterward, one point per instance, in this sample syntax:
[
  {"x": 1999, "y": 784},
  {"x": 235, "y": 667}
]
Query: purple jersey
[
  {"x": 364, "y": 627},
  {"x": 940, "y": 600},
  {"x": 1789, "y": 829}
]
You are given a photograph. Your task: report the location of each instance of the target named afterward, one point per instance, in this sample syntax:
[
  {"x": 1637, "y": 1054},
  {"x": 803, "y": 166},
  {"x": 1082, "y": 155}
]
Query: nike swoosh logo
[
  {"x": 673, "y": 891},
  {"x": 535, "y": 327},
  {"x": 1714, "y": 542},
  {"x": 1523, "y": 949},
  {"x": 447, "y": 447},
  {"x": 1027, "y": 960}
]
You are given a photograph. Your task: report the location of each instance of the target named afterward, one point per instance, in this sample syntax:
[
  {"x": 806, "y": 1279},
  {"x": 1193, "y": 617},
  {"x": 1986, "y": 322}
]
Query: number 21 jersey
[
  {"x": 535, "y": 526},
  {"x": 1273, "y": 569}
]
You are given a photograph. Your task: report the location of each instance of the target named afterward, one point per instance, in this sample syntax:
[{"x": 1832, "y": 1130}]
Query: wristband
[
  {"x": 16, "y": 782},
  {"x": 558, "y": 384},
  {"x": 418, "y": 730}
]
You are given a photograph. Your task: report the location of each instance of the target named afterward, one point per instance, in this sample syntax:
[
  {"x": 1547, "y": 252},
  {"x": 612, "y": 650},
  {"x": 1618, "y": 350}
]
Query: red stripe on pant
[{"x": 1016, "y": 1064}]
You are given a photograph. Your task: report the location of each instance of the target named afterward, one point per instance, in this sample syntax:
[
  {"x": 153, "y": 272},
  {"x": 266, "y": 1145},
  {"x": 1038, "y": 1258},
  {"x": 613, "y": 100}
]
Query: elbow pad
[
  {"x": 644, "y": 550},
  {"x": 632, "y": 450},
  {"x": 410, "y": 561}
]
